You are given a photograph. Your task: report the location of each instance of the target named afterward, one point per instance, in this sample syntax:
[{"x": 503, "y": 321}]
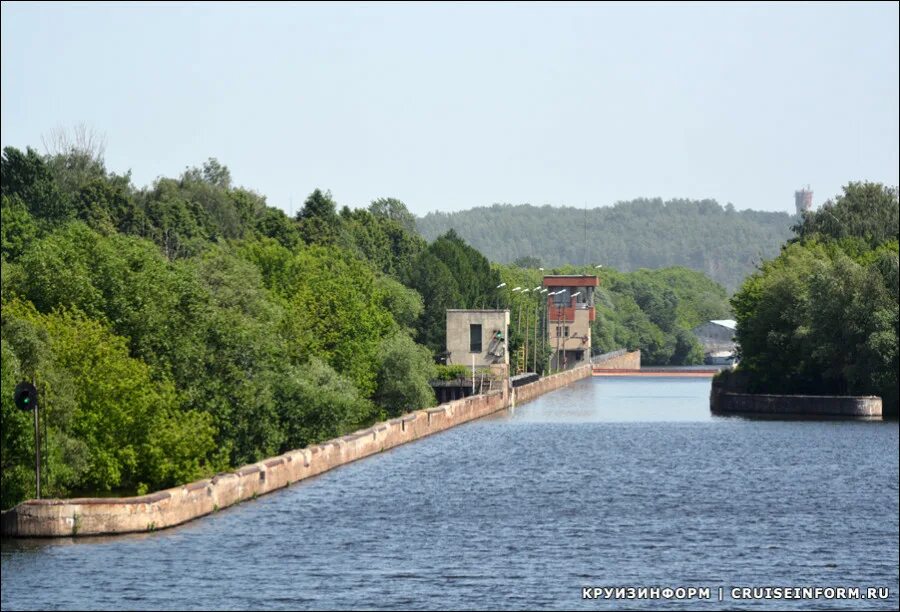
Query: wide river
[{"x": 606, "y": 483}]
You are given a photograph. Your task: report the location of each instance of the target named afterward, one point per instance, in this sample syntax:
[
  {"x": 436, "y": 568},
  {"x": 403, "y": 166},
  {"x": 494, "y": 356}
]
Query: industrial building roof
[{"x": 729, "y": 323}]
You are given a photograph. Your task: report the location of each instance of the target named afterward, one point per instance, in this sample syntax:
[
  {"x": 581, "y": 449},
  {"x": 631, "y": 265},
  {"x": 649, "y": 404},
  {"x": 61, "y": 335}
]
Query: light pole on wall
[
  {"x": 537, "y": 312},
  {"x": 525, "y": 336},
  {"x": 558, "y": 330},
  {"x": 542, "y": 305},
  {"x": 515, "y": 290},
  {"x": 574, "y": 302}
]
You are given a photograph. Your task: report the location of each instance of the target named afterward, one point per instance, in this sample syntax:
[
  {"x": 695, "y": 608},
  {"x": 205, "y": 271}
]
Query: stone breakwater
[{"x": 170, "y": 507}]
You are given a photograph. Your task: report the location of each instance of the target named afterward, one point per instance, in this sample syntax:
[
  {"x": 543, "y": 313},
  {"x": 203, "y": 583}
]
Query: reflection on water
[
  {"x": 613, "y": 400},
  {"x": 608, "y": 482}
]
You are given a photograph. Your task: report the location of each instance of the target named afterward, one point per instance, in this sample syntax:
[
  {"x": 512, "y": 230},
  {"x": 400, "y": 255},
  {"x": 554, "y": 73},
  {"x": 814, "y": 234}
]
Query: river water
[{"x": 608, "y": 482}]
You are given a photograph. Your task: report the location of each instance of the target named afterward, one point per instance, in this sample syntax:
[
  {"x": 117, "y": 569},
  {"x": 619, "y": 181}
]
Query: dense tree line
[
  {"x": 822, "y": 317},
  {"x": 187, "y": 327},
  {"x": 721, "y": 242},
  {"x": 183, "y": 328}
]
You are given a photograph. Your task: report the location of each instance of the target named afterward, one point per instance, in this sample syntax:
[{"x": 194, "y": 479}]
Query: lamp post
[
  {"x": 541, "y": 329},
  {"x": 558, "y": 331},
  {"x": 497, "y": 303},
  {"x": 574, "y": 295},
  {"x": 535, "y": 291},
  {"x": 525, "y": 336},
  {"x": 519, "y": 321},
  {"x": 547, "y": 332}
]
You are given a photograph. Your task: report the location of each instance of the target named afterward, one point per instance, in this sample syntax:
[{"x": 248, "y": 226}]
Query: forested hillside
[{"x": 646, "y": 233}]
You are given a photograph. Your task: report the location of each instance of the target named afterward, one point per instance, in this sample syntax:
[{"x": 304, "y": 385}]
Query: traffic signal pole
[
  {"x": 26, "y": 398},
  {"x": 37, "y": 453}
]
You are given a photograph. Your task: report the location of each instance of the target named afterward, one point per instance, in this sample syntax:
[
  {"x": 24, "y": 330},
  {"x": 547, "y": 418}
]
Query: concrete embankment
[
  {"x": 728, "y": 395},
  {"x": 618, "y": 360},
  {"x": 628, "y": 363},
  {"x": 796, "y": 405},
  {"x": 97, "y": 516},
  {"x": 526, "y": 393}
]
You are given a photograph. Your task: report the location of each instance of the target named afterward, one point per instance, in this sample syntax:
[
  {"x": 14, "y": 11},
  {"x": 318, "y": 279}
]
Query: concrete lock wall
[
  {"x": 627, "y": 361},
  {"x": 98, "y": 516},
  {"x": 528, "y": 392},
  {"x": 800, "y": 405}
]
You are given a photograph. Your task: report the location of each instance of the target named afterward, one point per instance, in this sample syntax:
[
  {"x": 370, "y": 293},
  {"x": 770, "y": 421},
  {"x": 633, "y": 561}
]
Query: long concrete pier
[{"x": 170, "y": 507}]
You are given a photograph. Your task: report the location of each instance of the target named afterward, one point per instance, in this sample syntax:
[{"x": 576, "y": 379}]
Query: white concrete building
[{"x": 478, "y": 334}]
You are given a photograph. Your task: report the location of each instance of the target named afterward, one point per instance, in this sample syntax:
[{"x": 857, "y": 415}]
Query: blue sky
[{"x": 450, "y": 106}]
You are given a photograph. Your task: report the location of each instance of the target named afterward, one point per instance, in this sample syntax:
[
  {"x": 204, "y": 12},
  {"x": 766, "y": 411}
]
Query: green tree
[
  {"x": 318, "y": 219},
  {"x": 434, "y": 281},
  {"x": 404, "y": 304},
  {"x": 394, "y": 210},
  {"x": 864, "y": 210},
  {"x": 19, "y": 228},
  {"x": 527, "y": 261},
  {"x": 316, "y": 404},
  {"x": 450, "y": 274},
  {"x": 118, "y": 428},
  {"x": 27, "y": 176},
  {"x": 404, "y": 374}
]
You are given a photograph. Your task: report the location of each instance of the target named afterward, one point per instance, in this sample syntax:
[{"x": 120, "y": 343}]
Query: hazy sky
[{"x": 450, "y": 106}]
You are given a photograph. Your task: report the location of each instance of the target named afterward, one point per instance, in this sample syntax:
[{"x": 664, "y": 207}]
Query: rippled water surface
[{"x": 609, "y": 482}]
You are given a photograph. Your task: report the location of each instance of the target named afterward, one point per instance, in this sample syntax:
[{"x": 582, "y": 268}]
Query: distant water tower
[{"x": 803, "y": 200}]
